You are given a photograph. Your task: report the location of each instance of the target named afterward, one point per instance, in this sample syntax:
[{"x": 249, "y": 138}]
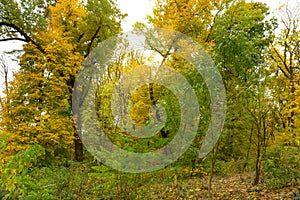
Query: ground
[{"x": 237, "y": 186}]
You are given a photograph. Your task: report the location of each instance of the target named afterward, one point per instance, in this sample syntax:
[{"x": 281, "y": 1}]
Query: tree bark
[
  {"x": 77, "y": 154},
  {"x": 77, "y": 146},
  {"x": 258, "y": 162}
]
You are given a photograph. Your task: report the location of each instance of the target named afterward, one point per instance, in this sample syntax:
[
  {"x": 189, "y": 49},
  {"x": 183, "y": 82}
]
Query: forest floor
[
  {"x": 87, "y": 181},
  {"x": 235, "y": 186}
]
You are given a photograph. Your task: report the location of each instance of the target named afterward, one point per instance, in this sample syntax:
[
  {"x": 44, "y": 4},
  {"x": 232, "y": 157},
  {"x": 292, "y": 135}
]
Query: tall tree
[
  {"x": 4, "y": 72},
  {"x": 237, "y": 35},
  {"x": 286, "y": 58},
  {"x": 58, "y": 35},
  {"x": 242, "y": 37}
]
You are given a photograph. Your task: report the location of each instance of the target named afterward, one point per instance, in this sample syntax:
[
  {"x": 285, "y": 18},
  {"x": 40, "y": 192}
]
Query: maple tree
[{"x": 194, "y": 18}]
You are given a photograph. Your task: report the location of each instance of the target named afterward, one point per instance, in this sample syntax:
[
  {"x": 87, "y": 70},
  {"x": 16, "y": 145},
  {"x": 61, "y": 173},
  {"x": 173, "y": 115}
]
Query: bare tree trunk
[
  {"x": 258, "y": 122},
  {"x": 77, "y": 154},
  {"x": 293, "y": 112},
  {"x": 4, "y": 74},
  {"x": 259, "y": 139}
]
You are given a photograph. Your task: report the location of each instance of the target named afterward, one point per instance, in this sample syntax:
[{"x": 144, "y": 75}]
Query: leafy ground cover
[{"x": 95, "y": 181}]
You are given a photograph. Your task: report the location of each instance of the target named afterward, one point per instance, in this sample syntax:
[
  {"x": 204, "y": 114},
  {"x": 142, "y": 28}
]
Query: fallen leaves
[{"x": 235, "y": 186}]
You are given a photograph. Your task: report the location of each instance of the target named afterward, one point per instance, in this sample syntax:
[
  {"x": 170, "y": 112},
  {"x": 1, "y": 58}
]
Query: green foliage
[
  {"x": 89, "y": 180},
  {"x": 281, "y": 165},
  {"x": 15, "y": 173},
  {"x": 59, "y": 182}
]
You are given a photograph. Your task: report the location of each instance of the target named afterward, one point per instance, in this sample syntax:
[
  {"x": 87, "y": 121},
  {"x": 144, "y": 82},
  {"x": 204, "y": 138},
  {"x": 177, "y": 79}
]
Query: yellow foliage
[
  {"x": 39, "y": 103},
  {"x": 189, "y": 17}
]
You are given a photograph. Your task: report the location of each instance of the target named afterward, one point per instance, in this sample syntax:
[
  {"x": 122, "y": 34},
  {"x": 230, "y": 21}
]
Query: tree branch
[
  {"x": 213, "y": 24},
  {"x": 283, "y": 62},
  {"x": 281, "y": 69},
  {"x": 14, "y": 38},
  {"x": 92, "y": 40},
  {"x": 27, "y": 38}
]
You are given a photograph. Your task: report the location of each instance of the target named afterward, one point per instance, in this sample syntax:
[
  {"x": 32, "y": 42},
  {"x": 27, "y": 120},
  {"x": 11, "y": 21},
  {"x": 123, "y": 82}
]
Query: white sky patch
[{"x": 137, "y": 10}]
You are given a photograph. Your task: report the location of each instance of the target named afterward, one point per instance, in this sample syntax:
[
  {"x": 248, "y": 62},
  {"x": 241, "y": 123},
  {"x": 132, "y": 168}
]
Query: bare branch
[
  {"x": 214, "y": 22},
  {"x": 27, "y": 38},
  {"x": 4, "y": 72},
  {"x": 13, "y": 38}
]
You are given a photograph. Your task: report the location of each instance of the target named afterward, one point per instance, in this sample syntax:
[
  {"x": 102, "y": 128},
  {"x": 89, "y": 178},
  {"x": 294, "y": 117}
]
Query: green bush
[
  {"x": 281, "y": 166},
  {"x": 15, "y": 172}
]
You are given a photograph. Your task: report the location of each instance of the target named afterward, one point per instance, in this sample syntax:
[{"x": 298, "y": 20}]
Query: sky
[{"x": 137, "y": 10}]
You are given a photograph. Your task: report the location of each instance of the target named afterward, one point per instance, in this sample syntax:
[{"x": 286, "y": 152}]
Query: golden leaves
[
  {"x": 39, "y": 104},
  {"x": 66, "y": 13},
  {"x": 189, "y": 17}
]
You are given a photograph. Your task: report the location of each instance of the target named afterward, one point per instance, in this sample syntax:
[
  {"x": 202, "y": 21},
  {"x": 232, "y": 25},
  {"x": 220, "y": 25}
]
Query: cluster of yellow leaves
[
  {"x": 140, "y": 105},
  {"x": 189, "y": 17}
]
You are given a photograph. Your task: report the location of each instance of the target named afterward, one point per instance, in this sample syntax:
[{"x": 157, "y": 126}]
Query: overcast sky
[{"x": 137, "y": 10}]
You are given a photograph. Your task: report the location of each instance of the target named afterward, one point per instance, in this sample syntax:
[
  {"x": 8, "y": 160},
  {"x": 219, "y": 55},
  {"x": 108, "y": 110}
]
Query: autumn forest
[{"x": 255, "y": 52}]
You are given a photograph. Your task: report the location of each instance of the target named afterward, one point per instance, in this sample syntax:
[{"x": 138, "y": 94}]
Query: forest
[{"x": 56, "y": 143}]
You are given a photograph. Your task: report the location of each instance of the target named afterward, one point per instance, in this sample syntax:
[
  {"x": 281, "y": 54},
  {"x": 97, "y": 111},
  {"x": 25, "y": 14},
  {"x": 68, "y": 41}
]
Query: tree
[
  {"x": 59, "y": 34},
  {"x": 241, "y": 51},
  {"x": 285, "y": 53},
  {"x": 237, "y": 35}
]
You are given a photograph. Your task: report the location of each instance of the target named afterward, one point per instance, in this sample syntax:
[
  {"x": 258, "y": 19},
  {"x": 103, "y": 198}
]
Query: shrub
[
  {"x": 281, "y": 166},
  {"x": 14, "y": 173}
]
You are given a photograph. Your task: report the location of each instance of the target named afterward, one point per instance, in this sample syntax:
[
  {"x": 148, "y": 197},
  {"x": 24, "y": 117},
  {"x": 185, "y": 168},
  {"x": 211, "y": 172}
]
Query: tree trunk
[
  {"x": 77, "y": 146},
  {"x": 259, "y": 140},
  {"x": 257, "y": 166},
  {"x": 77, "y": 154},
  {"x": 248, "y": 151},
  {"x": 213, "y": 164},
  {"x": 293, "y": 113}
]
